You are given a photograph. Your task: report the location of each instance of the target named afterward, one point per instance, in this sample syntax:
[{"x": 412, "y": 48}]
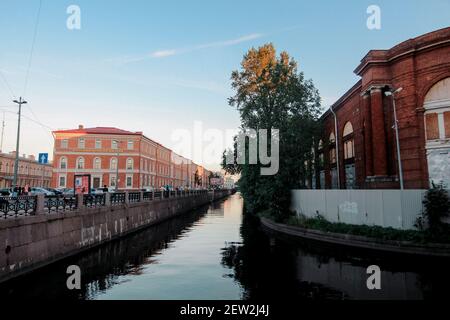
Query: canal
[{"x": 217, "y": 253}]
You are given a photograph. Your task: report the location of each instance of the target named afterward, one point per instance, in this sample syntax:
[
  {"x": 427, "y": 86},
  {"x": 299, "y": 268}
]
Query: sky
[{"x": 165, "y": 66}]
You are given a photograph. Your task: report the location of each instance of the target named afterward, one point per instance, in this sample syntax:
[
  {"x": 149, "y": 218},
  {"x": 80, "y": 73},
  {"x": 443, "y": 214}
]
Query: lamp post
[
  {"x": 20, "y": 102},
  {"x": 117, "y": 165},
  {"x": 400, "y": 169},
  {"x": 337, "y": 147}
]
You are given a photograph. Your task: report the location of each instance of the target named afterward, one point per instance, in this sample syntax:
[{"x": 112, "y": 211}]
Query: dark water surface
[{"x": 215, "y": 253}]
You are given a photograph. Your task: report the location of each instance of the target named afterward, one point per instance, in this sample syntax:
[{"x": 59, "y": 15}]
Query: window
[
  {"x": 81, "y": 143},
  {"x": 112, "y": 181},
  {"x": 129, "y": 181},
  {"x": 349, "y": 145},
  {"x": 63, "y": 163},
  {"x": 97, "y": 163},
  {"x": 64, "y": 143},
  {"x": 349, "y": 151},
  {"x": 98, "y": 144},
  {"x": 130, "y": 145},
  {"x": 130, "y": 163},
  {"x": 113, "y": 165},
  {"x": 62, "y": 181},
  {"x": 80, "y": 163},
  {"x": 114, "y": 144},
  {"x": 432, "y": 124}
]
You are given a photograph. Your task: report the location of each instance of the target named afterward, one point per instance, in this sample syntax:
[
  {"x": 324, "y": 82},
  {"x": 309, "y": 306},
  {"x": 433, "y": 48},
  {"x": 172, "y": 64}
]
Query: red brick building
[
  {"x": 105, "y": 153},
  {"x": 361, "y": 153}
]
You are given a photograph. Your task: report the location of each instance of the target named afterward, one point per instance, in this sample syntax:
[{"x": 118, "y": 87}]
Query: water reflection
[{"x": 216, "y": 253}]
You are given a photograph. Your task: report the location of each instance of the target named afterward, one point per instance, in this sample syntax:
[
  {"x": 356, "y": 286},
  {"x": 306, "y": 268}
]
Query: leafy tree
[
  {"x": 437, "y": 206},
  {"x": 270, "y": 93}
]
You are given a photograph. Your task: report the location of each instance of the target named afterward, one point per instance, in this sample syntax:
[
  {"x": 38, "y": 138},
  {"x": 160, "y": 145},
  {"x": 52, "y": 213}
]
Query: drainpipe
[{"x": 337, "y": 147}]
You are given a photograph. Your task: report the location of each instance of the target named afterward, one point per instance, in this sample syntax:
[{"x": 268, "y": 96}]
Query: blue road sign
[{"x": 43, "y": 158}]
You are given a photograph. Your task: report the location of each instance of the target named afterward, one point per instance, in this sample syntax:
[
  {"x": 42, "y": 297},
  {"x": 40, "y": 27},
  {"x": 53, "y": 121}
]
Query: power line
[
  {"x": 32, "y": 48},
  {"x": 7, "y": 84}
]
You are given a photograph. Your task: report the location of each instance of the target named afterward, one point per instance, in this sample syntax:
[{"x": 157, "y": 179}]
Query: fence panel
[{"x": 388, "y": 208}]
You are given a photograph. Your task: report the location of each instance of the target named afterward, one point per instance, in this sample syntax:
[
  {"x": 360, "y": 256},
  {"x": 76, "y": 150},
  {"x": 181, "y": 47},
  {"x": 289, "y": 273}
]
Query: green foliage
[
  {"x": 270, "y": 93},
  {"x": 376, "y": 232},
  {"x": 437, "y": 206}
]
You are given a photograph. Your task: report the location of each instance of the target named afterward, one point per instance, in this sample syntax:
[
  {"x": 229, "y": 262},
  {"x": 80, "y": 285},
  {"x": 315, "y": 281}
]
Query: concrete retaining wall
[{"x": 31, "y": 242}]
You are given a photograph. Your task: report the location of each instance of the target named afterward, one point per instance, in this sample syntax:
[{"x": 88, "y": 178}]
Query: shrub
[{"x": 437, "y": 206}]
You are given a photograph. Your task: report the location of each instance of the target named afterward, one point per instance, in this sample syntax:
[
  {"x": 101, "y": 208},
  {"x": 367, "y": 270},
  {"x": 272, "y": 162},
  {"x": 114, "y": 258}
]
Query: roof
[{"x": 100, "y": 130}]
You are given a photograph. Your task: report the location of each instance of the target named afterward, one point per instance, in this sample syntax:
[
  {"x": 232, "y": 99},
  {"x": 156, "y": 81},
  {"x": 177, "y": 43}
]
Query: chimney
[
  {"x": 80, "y": 127},
  {"x": 32, "y": 157}
]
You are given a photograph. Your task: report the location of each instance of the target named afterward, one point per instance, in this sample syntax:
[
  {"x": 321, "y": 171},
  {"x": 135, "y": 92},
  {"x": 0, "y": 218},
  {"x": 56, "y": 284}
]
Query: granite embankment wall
[{"x": 33, "y": 241}]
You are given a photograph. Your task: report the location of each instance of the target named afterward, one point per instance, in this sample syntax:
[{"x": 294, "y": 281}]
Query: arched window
[
  {"x": 437, "y": 132},
  {"x": 113, "y": 164},
  {"x": 130, "y": 164},
  {"x": 80, "y": 163},
  {"x": 437, "y": 114},
  {"x": 63, "y": 163},
  {"x": 349, "y": 145},
  {"x": 97, "y": 163}
]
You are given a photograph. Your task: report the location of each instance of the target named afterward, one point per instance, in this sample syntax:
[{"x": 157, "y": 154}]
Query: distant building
[
  {"x": 105, "y": 153},
  {"x": 361, "y": 152},
  {"x": 229, "y": 182},
  {"x": 30, "y": 172}
]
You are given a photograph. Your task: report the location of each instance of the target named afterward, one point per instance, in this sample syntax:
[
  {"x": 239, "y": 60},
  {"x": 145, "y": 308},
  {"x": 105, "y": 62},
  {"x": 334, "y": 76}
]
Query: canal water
[{"x": 218, "y": 253}]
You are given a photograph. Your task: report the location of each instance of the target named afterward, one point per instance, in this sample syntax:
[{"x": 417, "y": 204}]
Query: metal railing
[
  {"x": 134, "y": 197},
  {"x": 117, "y": 198},
  {"x": 147, "y": 196},
  {"x": 94, "y": 200},
  {"x": 17, "y": 206},
  {"x": 60, "y": 203},
  {"x": 29, "y": 205}
]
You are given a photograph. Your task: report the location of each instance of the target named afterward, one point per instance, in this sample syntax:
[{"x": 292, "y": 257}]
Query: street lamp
[
  {"x": 400, "y": 170},
  {"x": 117, "y": 165},
  {"x": 20, "y": 102}
]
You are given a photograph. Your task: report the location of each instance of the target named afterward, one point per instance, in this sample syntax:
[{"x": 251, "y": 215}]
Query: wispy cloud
[
  {"x": 216, "y": 44},
  {"x": 163, "y": 53},
  {"x": 158, "y": 54}
]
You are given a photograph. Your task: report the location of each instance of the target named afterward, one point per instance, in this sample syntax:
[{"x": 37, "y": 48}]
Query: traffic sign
[{"x": 43, "y": 158}]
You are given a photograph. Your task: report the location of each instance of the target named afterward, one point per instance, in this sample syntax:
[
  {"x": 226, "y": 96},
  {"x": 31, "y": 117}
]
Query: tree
[{"x": 270, "y": 94}]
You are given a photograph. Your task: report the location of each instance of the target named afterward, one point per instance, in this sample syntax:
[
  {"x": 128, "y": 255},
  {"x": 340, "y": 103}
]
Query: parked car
[
  {"x": 35, "y": 191},
  {"x": 97, "y": 191},
  {"x": 66, "y": 191},
  {"x": 55, "y": 191},
  {"x": 6, "y": 192}
]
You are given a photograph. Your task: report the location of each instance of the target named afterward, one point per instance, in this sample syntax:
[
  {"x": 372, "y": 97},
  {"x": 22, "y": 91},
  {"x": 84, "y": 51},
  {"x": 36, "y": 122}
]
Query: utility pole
[
  {"x": 3, "y": 132},
  {"x": 16, "y": 163},
  {"x": 399, "y": 159}
]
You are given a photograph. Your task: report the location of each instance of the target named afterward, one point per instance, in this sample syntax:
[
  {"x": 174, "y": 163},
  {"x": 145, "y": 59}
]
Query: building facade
[
  {"x": 114, "y": 156},
  {"x": 30, "y": 171},
  {"x": 358, "y": 148}
]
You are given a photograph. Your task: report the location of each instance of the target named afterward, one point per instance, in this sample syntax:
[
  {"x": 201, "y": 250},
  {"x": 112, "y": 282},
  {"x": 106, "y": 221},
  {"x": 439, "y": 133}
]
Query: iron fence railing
[
  {"x": 117, "y": 198},
  {"x": 28, "y": 205},
  {"x": 17, "y": 206},
  {"x": 94, "y": 200},
  {"x": 147, "y": 196},
  {"x": 134, "y": 197},
  {"x": 60, "y": 203}
]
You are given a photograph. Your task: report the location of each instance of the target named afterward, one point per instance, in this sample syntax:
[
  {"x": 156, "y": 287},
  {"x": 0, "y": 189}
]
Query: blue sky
[{"x": 156, "y": 66}]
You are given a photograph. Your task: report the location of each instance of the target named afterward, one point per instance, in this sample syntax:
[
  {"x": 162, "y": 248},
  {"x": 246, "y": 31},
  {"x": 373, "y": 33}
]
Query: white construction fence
[{"x": 387, "y": 208}]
